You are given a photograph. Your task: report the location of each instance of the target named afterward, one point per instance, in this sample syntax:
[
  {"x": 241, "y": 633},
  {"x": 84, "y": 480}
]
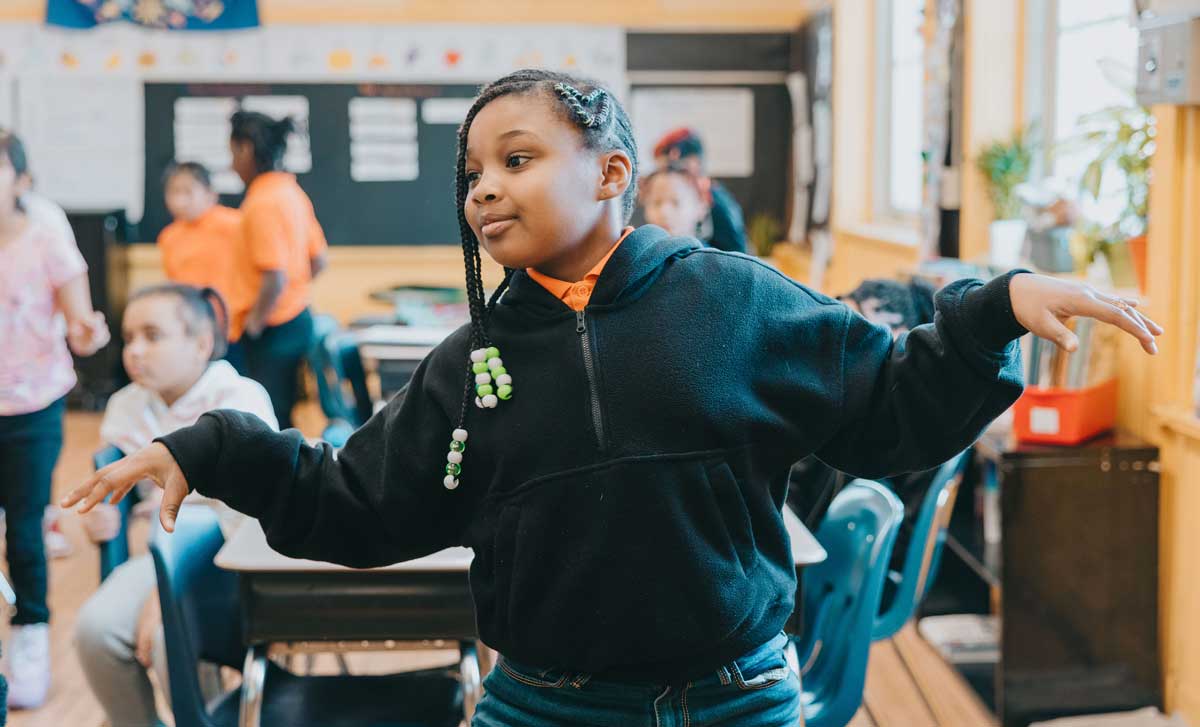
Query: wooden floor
[{"x": 908, "y": 684}]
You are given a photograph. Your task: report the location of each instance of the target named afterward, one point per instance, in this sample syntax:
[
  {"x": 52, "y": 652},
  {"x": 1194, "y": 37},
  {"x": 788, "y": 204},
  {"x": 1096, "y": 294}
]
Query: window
[
  {"x": 899, "y": 81},
  {"x": 1081, "y": 58}
]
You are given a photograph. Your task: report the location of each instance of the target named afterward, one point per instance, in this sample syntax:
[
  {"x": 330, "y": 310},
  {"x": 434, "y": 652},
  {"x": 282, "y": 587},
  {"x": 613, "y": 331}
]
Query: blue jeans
[
  {"x": 29, "y": 448},
  {"x": 756, "y": 690}
]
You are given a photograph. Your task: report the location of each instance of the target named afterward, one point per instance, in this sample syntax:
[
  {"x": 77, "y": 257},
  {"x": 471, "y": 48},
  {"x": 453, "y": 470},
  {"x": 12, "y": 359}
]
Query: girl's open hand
[
  {"x": 1043, "y": 304},
  {"x": 153, "y": 463}
]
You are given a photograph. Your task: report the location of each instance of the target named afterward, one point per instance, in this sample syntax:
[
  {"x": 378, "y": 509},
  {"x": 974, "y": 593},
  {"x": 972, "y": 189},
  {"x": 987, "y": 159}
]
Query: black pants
[
  {"x": 273, "y": 359},
  {"x": 29, "y": 449}
]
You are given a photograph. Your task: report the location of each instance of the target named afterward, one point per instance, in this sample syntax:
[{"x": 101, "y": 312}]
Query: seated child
[
  {"x": 676, "y": 200},
  {"x": 174, "y": 335}
]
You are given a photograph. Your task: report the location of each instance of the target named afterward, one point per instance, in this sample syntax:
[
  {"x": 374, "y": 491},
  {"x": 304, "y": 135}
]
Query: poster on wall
[
  {"x": 723, "y": 118},
  {"x": 172, "y": 14}
]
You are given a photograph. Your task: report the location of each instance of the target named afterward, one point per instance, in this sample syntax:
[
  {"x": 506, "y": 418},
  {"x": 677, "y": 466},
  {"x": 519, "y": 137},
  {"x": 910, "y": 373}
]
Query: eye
[
  {"x": 472, "y": 178},
  {"x": 515, "y": 160}
]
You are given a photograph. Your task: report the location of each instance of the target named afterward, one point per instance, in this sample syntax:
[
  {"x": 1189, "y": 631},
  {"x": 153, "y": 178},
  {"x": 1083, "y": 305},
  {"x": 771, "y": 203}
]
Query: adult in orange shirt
[
  {"x": 198, "y": 248},
  {"x": 282, "y": 250}
]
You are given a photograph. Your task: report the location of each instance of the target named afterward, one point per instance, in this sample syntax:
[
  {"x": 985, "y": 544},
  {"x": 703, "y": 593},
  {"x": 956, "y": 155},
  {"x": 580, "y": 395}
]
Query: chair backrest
[
  {"x": 199, "y": 608},
  {"x": 841, "y": 599},
  {"x": 336, "y": 363},
  {"x": 924, "y": 550},
  {"x": 116, "y": 551}
]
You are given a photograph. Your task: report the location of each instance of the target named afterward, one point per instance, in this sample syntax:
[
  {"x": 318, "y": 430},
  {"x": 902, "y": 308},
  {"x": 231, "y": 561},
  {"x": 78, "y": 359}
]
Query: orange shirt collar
[{"x": 576, "y": 295}]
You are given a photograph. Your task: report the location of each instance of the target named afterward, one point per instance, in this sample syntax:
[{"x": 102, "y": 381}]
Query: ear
[
  {"x": 24, "y": 184},
  {"x": 616, "y": 174},
  {"x": 206, "y": 344}
]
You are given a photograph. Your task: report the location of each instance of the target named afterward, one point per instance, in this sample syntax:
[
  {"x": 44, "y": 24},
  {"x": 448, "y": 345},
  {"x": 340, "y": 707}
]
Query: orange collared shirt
[
  {"x": 280, "y": 232},
  {"x": 201, "y": 252},
  {"x": 576, "y": 295}
]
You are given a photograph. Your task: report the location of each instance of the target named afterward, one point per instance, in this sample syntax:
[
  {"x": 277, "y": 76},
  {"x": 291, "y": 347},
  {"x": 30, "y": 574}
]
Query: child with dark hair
[
  {"x": 198, "y": 248},
  {"x": 43, "y": 279},
  {"x": 676, "y": 200},
  {"x": 174, "y": 335},
  {"x": 282, "y": 250},
  {"x": 726, "y": 228},
  {"x": 619, "y": 470}
]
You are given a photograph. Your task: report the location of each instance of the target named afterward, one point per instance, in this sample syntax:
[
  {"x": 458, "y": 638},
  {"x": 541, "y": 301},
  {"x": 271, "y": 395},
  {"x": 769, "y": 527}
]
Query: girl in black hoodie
[{"x": 616, "y": 451}]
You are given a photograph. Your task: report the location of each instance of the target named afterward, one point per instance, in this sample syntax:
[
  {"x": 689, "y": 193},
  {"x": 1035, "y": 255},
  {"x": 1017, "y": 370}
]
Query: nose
[{"x": 485, "y": 190}]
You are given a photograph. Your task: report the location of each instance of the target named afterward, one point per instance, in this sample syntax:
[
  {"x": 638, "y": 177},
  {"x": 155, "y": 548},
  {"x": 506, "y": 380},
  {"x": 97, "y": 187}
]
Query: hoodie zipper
[{"x": 589, "y": 365}]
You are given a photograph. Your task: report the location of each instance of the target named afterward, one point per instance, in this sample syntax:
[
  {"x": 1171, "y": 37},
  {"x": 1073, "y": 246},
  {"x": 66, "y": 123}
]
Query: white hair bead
[
  {"x": 459, "y": 435},
  {"x": 455, "y": 457},
  {"x": 479, "y": 402},
  {"x": 495, "y": 363},
  {"x": 484, "y": 378},
  {"x": 490, "y": 401},
  {"x": 479, "y": 355},
  {"x": 503, "y": 380},
  {"x": 450, "y": 482}
]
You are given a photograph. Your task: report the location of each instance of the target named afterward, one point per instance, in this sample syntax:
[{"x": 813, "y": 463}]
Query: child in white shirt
[{"x": 174, "y": 335}]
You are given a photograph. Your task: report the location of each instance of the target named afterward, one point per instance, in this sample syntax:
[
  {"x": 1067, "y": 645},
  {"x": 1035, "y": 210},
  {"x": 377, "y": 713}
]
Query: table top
[{"x": 248, "y": 552}]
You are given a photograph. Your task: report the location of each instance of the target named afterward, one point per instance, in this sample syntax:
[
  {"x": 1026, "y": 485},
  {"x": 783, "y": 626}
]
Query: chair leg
[
  {"x": 341, "y": 660},
  {"x": 254, "y": 675},
  {"x": 472, "y": 685}
]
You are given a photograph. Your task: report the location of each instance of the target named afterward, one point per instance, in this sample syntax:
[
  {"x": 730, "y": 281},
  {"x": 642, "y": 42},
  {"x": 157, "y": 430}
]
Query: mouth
[{"x": 493, "y": 226}]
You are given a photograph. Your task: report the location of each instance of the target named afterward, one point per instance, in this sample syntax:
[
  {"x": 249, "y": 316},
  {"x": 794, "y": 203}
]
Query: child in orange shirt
[
  {"x": 283, "y": 250},
  {"x": 198, "y": 248}
]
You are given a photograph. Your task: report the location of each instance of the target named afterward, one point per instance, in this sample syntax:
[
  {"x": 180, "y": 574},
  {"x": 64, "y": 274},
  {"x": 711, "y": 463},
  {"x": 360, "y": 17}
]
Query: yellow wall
[
  {"x": 991, "y": 105},
  {"x": 353, "y": 272},
  {"x": 1165, "y": 386},
  {"x": 777, "y": 14}
]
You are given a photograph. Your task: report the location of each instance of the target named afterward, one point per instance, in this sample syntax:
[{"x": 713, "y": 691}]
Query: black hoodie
[{"x": 624, "y": 506}]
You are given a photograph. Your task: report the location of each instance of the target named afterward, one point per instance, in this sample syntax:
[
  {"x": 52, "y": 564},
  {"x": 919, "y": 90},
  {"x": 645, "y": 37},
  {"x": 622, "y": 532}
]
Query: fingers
[
  {"x": 1059, "y": 333},
  {"x": 115, "y": 479},
  {"x": 174, "y": 490},
  {"x": 1126, "y": 319}
]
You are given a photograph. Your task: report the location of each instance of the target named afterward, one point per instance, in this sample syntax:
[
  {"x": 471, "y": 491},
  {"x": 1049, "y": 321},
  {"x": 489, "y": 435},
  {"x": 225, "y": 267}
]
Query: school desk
[
  {"x": 301, "y": 606},
  {"x": 393, "y": 352}
]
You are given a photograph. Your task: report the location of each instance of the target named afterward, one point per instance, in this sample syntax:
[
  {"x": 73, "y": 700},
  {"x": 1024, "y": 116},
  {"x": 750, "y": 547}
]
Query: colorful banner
[{"x": 168, "y": 14}]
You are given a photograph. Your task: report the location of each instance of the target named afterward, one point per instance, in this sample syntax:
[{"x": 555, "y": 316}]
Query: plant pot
[
  {"x": 1137, "y": 250},
  {"x": 1120, "y": 264},
  {"x": 1006, "y": 242}
]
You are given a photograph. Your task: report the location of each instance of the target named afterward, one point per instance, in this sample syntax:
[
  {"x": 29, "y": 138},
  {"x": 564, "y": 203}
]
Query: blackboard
[{"x": 417, "y": 212}]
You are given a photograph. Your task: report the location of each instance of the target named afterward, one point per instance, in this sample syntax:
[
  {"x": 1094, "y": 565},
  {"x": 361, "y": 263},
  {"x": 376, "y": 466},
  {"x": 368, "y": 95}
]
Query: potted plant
[
  {"x": 1006, "y": 164},
  {"x": 763, "y": 232},
  {"x": 1121, "y": 137}
]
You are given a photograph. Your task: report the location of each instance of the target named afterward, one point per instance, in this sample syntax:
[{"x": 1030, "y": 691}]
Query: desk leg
[
  {"x": 472, "y": 685},
  {"x": 254, "y": 675}
]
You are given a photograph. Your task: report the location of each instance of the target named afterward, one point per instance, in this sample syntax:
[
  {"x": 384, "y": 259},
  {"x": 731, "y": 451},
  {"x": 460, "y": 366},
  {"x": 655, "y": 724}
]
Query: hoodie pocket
[{"x": 634, "y": 563}]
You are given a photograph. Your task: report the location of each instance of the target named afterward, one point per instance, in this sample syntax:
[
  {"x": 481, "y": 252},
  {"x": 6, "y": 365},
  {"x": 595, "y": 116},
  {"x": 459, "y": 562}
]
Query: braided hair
[{"x": 604, "y": 126}]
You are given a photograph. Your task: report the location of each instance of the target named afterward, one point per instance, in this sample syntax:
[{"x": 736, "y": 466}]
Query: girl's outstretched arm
[{"x": 378, "y": 500}]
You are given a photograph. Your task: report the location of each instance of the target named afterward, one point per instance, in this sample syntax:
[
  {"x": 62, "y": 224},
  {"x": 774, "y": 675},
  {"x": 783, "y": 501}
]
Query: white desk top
[{"x": 247, "y": 551}]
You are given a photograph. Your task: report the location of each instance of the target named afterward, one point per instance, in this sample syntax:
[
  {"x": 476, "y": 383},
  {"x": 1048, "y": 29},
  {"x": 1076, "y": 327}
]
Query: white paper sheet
[{"x": 723, "y": 117}]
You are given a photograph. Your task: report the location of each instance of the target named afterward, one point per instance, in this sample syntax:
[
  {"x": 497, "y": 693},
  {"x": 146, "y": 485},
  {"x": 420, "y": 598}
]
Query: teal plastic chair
[
  {"x": 909, "y": 586},
  {"x": 116, "y": 551},
  {"x": 841, "y": 600},
  {"x": 200, "y": 615},
  {"x": 341, "y": 380}
]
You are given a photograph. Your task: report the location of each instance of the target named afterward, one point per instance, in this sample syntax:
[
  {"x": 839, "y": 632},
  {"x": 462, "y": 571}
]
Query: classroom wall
[
  {"x": 354, "y": 271},
  {"x": 773, "y": 14},
  {"x": 1164, "y": 385}
]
